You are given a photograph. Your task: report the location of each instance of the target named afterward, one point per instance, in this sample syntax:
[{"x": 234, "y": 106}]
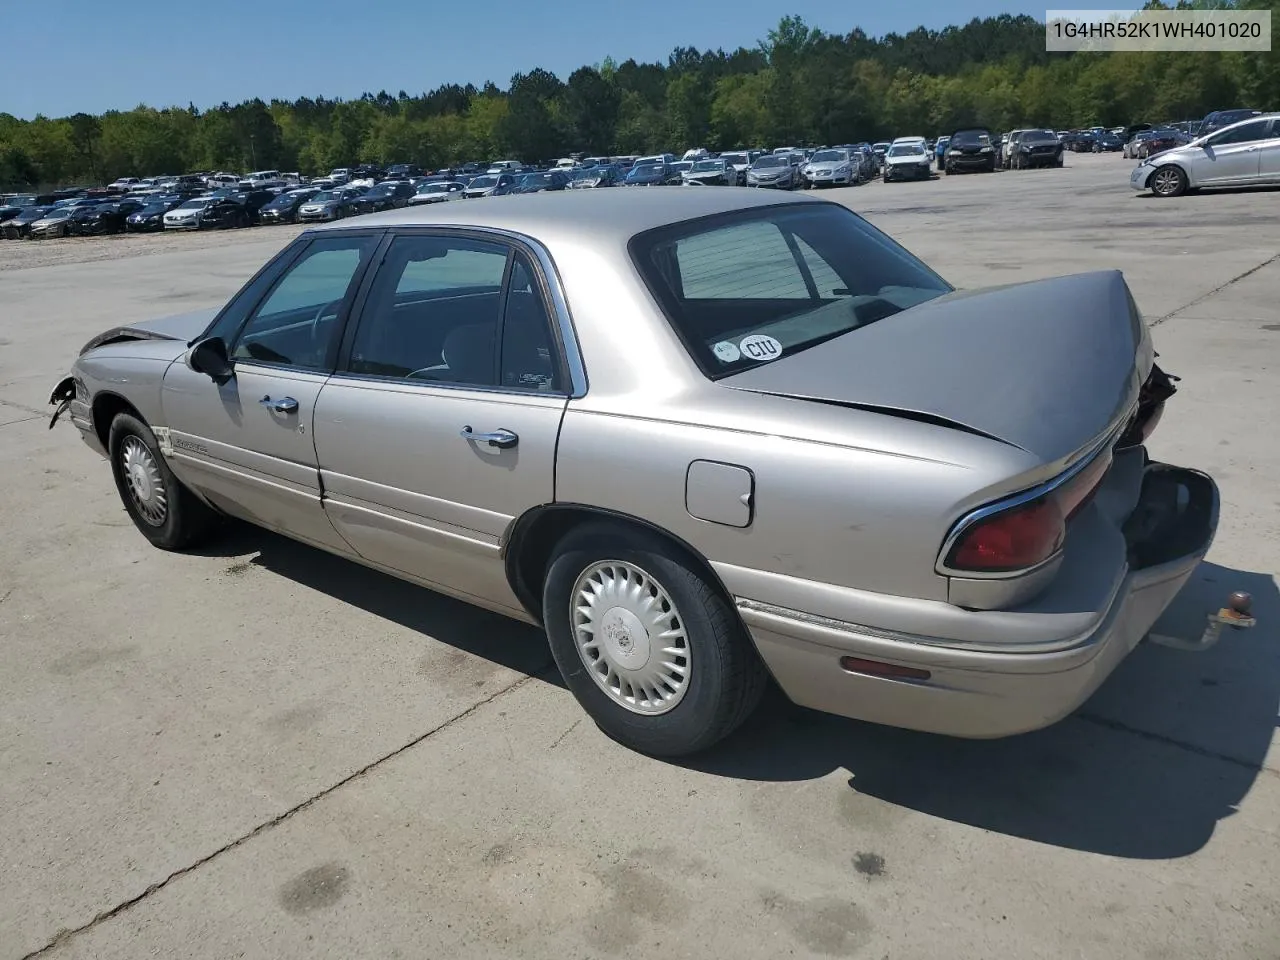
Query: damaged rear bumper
[{"x": 941, "y": 686}]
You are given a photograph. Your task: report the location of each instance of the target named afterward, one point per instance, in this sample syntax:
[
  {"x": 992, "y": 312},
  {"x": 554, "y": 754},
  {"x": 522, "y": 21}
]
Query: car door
[
  {"x": 1232, "y": 156},
  {"x": 247, "y": 444},
  {"x": 439, "y": 427},
  {"x": 1269, "y": 154}
]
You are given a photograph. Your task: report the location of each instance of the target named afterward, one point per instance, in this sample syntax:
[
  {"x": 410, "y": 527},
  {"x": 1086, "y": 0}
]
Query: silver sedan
[
  {"x": 702, "y": 437},
  {"x": 1243, "y": 154}
]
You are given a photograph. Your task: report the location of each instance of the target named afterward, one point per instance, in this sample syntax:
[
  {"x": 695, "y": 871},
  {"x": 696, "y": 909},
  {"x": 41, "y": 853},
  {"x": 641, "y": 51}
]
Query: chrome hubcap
[
  {"x": 630, "y": 637},
  {"x": 143, "y": 480}
]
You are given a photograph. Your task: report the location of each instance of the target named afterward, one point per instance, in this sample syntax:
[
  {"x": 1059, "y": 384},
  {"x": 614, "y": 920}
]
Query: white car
[
  {"x": 437, "y": 191},
  {"x": 187, "y": 216},
  {"x": 506, "y": 166},
  {"x": 908, "y": 159},
  {"x": 123, "y": 183},
  {"x": 261, "y": 178},
  {"x": 219, "y": 181}
]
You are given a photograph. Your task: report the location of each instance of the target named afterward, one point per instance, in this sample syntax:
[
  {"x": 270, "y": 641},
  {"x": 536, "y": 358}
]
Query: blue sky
[{"x": 101, "y": 57}]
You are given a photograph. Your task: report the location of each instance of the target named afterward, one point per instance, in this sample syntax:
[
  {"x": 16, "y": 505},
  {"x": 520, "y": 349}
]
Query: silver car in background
[
  {"x": 774, "y": 170},
  {"x": 831, "y": 168},
  {"x": 702, "y": 437},
  {"x": 1243, "y": 154}
]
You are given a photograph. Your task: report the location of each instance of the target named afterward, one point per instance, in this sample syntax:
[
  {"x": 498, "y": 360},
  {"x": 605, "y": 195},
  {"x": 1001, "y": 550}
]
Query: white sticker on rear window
[
  {"x": 758, "y": 346},
  {"x": 726, "y": 352}
]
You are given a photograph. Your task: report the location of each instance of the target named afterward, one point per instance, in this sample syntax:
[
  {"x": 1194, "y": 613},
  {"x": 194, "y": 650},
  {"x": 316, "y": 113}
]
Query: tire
[
  {"x": 1168, "y": 181},
  {"x": 724, "y": 678},
  {"x": 178, "y": 519}
]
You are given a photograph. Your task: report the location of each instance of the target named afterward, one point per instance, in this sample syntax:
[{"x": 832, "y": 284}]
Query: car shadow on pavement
[
  {"x": 1167, "y": 747},
  {"x": 501, "y": 640}
]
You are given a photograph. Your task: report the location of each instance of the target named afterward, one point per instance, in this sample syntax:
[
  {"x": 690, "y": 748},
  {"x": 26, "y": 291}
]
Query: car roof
[{"x": 597, "y": 216}]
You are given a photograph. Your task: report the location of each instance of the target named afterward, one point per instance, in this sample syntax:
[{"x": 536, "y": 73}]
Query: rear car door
[
  {"x": 1269, "y": 154},
  {"x": 1234, "y": 155},
  {"x": 247, "y": 444},
  {"x": 440, "y": 425}
]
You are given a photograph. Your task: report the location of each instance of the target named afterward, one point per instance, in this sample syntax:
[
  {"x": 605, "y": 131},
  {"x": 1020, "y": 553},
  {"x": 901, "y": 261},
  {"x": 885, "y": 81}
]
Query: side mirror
[{"x": 210, "y": 358}]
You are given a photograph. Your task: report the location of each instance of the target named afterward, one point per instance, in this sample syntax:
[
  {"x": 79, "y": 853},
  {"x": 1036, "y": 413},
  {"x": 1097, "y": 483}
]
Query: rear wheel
[
  {"x": 651, "y": 649},
  {"x": 1168, "y": 181},
  {"x": 163, "y": 510}
]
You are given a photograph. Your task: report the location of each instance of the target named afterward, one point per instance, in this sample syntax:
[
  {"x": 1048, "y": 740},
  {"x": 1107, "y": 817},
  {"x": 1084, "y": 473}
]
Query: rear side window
[{"x": 764, "y": 283}]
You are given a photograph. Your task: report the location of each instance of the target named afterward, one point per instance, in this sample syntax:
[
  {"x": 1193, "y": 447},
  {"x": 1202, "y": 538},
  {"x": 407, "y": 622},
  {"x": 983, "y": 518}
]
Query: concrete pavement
[{"x": 259, "y": 750}]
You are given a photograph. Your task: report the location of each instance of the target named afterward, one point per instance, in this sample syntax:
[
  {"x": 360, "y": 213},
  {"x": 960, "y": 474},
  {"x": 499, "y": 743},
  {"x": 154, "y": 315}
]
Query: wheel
[
  {"x": 652, "y": 651},
  {"x": 947, "y": 171},
  {"x": 1168, "y": 181},
  {"x": 163, "y": 510}
]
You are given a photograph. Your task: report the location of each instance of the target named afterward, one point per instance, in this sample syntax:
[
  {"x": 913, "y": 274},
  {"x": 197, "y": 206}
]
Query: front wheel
[
  {"x": 163, "y": 510},
  {"x": 650, "y": 648},
  {"x": 1168, "y": 181}
]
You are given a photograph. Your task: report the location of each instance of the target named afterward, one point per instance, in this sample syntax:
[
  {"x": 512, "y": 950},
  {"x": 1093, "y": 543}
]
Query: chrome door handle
[
  {"x": 502, "y": 439},
  {"x": 283, "y": 405}
]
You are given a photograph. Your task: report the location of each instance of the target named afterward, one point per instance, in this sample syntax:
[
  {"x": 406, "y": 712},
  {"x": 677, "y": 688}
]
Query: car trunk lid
[{"x": 1048, "y": 366}]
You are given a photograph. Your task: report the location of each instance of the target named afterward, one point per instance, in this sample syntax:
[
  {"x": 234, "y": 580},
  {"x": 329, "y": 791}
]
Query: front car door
[
  {"x": 1233, "y": 155},
  {"x": 439, "y": 427},
  {"x": 247, "y": 445}
]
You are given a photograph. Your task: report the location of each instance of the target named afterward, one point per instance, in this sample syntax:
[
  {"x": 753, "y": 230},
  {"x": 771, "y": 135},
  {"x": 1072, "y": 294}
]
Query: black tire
[
  {"x": 186, "y": 519},
  {"x": 726, "y": 677},
  {"x": 1169, "y": 180}
]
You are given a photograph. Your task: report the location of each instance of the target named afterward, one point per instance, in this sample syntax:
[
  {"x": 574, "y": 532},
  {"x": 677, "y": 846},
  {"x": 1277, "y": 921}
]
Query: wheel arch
[
  {"x": 1170, "y": 163},
  {"x": 105, "y": 408},
  {"x": 531, "y": 540}
]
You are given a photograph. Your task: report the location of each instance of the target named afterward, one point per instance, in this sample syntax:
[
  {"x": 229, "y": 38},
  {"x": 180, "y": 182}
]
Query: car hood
[
  {"x": 913, "y": 158},
  {"x": 829, "y": 164},
  {"x": 181, "y": 327},
  {"x": 1046, "y": 366}
]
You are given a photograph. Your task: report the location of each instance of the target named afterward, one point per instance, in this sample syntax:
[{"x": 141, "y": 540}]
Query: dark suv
[
  {"x": 1034, "y": 148},
  {"x": 972, "y": 148}
]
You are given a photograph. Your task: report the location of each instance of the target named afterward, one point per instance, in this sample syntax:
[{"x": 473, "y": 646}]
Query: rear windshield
[{"x": 765, "y": 283}]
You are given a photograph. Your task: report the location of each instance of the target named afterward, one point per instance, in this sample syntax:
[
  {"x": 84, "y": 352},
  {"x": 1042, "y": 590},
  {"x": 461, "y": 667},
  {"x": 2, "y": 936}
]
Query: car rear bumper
[{"x": 983, "y": 692}]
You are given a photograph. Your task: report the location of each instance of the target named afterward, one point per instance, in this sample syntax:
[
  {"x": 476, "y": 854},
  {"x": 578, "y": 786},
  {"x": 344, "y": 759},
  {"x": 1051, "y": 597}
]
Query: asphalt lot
[{"x": 261, "y": 751}]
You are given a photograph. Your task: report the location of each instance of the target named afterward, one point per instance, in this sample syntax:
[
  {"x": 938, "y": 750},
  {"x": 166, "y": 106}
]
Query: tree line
[{"x": 797, "y": 86}]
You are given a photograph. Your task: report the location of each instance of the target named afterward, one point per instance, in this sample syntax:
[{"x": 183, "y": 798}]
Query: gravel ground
[{"x": 30, "y": 254}]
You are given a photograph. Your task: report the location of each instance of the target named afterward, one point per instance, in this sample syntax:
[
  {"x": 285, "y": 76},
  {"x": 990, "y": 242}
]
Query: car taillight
[
  {"x": 1012, "y": 539},
  {"x": 1022, "y": 536}
]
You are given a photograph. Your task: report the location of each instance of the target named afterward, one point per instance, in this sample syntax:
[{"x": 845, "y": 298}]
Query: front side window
[
  {"x": 786, "y": 277},
  {"x": 1245, "y": 133},
  {"x": 297, "y": 322}
]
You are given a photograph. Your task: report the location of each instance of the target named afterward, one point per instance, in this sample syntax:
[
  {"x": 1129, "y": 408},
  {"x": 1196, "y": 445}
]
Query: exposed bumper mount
[{"x": 1237, "y": 615}]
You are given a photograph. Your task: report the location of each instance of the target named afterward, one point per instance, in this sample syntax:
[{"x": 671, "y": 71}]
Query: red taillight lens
[{"x": 1013, "y": 539}]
